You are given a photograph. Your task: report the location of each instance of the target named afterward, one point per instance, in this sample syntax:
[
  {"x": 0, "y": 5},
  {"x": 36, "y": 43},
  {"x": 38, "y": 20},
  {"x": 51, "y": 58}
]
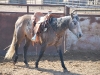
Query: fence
[
  {"x": 28, "y": 8},
  {"x": 10, "y": 12},
  {"x": 86, "y": 10},
  {"x": 68, "y": 2}
]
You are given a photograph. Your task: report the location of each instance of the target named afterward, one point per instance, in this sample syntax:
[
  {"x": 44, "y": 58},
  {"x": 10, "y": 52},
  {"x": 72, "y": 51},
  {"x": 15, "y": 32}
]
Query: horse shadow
[
  {"x": 69, "y": 55},
  {"x": 54, "y": 72}
]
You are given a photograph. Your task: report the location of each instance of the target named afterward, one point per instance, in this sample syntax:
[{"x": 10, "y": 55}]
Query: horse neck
[{"x": 63, "y": 23}]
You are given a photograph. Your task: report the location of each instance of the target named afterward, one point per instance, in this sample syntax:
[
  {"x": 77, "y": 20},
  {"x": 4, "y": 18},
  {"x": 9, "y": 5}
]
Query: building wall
[
  {"x": 39, "y": 1},
  {"x": 17, "y": 1}
]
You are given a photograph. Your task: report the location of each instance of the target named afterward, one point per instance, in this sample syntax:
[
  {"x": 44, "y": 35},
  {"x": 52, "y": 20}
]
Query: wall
[
  {"x": 7, "y": 23},
  {"x": 89, "y": 42}
]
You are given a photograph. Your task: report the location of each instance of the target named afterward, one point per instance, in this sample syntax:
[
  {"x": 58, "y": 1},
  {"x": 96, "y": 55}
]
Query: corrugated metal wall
[{"x": 7, "y": 23}]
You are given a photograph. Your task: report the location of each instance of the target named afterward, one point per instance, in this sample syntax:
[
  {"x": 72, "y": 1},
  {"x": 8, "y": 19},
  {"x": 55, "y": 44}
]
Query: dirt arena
[{"x": 78, "y": 63}]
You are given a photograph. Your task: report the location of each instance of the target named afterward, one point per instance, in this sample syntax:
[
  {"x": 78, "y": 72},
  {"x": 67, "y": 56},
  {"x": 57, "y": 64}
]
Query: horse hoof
[
  {"x": 36, "y": 67},
  {"x": 14, "y": 63},
  {"x": 65, "y": 70},
  {"x": 27, "y": 66}
]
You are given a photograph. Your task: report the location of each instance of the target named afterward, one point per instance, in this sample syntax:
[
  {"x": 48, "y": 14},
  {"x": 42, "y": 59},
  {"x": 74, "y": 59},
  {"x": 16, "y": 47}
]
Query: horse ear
[{"x": 72, "y": 15}]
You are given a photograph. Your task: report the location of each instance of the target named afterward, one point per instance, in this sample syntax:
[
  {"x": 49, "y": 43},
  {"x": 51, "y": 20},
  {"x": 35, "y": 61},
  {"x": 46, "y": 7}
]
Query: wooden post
[
  {"x": 66, "y": 13},
  {"x": 66, "y": 10},
  {"x": 27, "y": 9}
]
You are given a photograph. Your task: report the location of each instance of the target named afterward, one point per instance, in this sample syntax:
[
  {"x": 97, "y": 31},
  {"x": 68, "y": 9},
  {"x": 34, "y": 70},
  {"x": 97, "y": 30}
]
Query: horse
[{"x": 53, "y": 36}]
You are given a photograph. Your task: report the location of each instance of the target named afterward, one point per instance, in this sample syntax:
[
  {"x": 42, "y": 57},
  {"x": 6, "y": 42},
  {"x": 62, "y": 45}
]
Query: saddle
[{"x": 39, "y": 18}]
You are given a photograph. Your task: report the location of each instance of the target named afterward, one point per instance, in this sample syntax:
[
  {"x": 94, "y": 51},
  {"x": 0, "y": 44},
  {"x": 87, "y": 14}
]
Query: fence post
[
  {"x": 27, "y": 9},
  {"x": 66, "y": 13},
  {"x": 64, "y": 37},
  {"x": 66, "y": 10}
]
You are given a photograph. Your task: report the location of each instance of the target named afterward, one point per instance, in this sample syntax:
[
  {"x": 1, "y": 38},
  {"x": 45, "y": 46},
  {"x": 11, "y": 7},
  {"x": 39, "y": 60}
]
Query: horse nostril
[
  {"x": 80, "y": 35},
  {"x": 74, "y": 23}
]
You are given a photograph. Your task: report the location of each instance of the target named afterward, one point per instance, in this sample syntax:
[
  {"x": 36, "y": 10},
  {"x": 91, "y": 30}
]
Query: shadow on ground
[
  {"x": 69, "y": 55},
  {"x": 54, "y": 72}
]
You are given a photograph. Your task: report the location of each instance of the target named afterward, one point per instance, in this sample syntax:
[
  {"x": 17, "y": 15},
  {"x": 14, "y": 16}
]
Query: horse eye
[{"x": 74, "y": 23}]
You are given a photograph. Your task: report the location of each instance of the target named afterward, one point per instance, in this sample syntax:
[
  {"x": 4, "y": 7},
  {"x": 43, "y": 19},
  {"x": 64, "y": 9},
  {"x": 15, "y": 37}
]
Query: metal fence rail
[
  {"x": 55, "y": 8},
  {"x": 30, "y": 8},
  {"x": 86, "y": 10},
  {"x": 8, "y": 20},
  {"x": 67, "y": 2}
]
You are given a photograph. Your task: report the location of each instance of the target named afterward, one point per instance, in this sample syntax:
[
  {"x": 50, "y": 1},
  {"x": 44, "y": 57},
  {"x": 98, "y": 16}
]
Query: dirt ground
[{"x": 78, "y": 63}]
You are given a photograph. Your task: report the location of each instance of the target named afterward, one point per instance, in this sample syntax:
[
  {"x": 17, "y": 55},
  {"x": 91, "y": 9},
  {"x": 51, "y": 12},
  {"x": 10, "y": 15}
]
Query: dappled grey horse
[{"x": 51, "y": 37}]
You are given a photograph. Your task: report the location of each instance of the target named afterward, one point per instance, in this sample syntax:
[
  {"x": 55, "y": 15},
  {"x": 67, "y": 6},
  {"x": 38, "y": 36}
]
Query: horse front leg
[
  {"x": 61, "y": 59},
  {"x": 43, "y": 47}
]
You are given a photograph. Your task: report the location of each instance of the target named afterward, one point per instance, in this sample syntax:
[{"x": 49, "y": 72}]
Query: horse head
[{"x": 74, "y": 25}]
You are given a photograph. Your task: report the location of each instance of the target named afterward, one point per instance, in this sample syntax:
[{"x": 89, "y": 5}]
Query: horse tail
[{"x": 11, "y": 50}]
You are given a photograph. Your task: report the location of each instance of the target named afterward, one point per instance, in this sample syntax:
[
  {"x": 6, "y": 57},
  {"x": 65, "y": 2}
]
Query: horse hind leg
[
  {"x": 19, "y": 39},
  {"x": 27, "y": 43},
  {"x": 16, "y": 53}
]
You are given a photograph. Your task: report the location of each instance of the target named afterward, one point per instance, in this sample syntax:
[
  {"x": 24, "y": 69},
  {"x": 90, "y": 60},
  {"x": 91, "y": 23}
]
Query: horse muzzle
[{"x": 79, "y": 35}]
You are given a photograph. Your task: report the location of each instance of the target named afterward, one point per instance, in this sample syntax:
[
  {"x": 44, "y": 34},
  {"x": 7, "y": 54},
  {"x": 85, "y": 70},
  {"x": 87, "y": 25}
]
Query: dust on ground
[{"x": 78, "y": 63}]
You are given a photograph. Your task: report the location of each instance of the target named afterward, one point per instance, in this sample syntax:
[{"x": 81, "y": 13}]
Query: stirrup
[
  {"x": 45, "y": 29},
  {"x": 34, "y": 38}
]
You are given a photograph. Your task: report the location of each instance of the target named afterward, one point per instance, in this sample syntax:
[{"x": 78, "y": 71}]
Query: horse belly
[{"x": 51, "y": 40}]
